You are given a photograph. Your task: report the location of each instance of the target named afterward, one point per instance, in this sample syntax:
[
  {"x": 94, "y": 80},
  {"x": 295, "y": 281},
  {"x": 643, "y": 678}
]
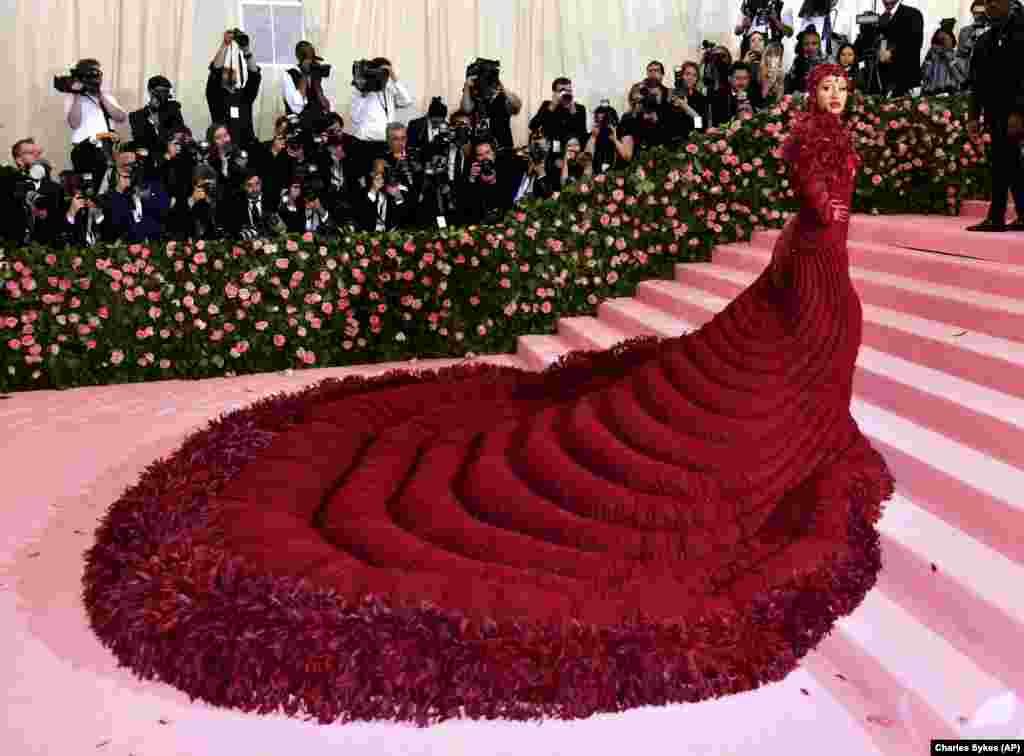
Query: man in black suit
[
  {"x": 997, "y": 95},
  {"x": 899, "y": 59},
  {"x": 33, "y": 203},
  {"x": 251, "y": 214},
  {"x": 423, "y": 130},
  {"x": 229, "y": 97},
  {"x": 561, "y": 117},
  {"x": 153, "y": 124}
]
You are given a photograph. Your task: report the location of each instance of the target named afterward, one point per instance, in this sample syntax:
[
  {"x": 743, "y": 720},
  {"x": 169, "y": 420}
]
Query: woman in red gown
[{"x": 667, "y": 521}]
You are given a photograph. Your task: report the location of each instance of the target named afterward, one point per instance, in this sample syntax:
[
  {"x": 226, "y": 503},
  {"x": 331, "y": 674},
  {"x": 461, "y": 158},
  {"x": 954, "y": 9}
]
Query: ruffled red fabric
[{"x": 666, "y": 521}]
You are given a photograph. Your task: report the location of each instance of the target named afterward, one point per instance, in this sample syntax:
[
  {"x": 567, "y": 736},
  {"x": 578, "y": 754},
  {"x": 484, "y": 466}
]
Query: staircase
[{"x": 934, "y": 651}]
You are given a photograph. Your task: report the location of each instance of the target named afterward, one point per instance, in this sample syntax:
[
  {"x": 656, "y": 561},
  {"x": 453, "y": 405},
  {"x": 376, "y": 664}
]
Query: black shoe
[
  {"x": 988, "y": 225},
  {"x": 1017, "y": 225}
]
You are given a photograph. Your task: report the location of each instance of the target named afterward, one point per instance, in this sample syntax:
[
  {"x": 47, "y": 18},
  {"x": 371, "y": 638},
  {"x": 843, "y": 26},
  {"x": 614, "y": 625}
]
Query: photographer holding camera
[
  {"x": 488, "y": 103},
  {"x": 891, "y": 49},
  {"x": 382, "y": 207},
  {"x": 969, "y": 36},
  {"x": 233, "y": 86},
  {"x": 83, "y": 222},
  {"x": 139, "y": 204},
  {"x": 942, "y": 71},
  {"x": 161, "y": 116},
  {"x": 603, "y": 145},
  {"x": 228, "y": 161},
  {"x": 808, "y": 57},
  {"x": 767, "y": 17},
  {"x": 302, "y": 87},
  {"x": 528, "y": 171},
  {"x": 33, "y": 200},
  {"x": 91, "y": 113},
  {"x": 378, "y": 96},
  {"x": 200, "y": 216},
  {"x": 561, "y": 118},
  {"x": 424, "y": 130}
]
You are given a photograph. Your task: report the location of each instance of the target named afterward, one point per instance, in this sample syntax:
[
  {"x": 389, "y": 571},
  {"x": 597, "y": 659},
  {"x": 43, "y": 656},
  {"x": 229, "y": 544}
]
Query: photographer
[
  {"x": 740, "y": 98},
  {"x": 375, "y": 102},
  {"x": 969, "y": 36},
  {"x": 765, "y": 17},
  {"x": 233, "y": 86},
  {"x": 302, "y": 87},
  {"x": 528, "y": 172},
  {"x": 33, "y": 201},
  {"x": 997, "y": 96},
  {"x": 381, "y": 207},
  {"x": 424, "y": 130},
  {"x": 340, "y": 189},
  {"x": 817, "y": 15},
  {"x": 773, "y": 75},
  {"x": 139, "y": 205},
  {"x": 154, "y": 123},
  {"x": 91, "y": 113},
  {"x": 251, "y": 215},
  {"x": 606, "y": 149},
  {"x": 941, "y": 71},
  {"x": 646, "y": 126},
  {"x": 485, "y": 197},
  {"x": 175, "y": 164},
  {"x": 808, "y": 57},
  {"x": 687, "y": 98},
  {"x": 653, "y": 84},
  {"x": 488, "y": 103},
  {"x": 577, "y": 165},
  {"x": 200, "y": 216},
  {"x": 891, "y": 50},
  {"x": 82, "y": 224},
  {"x": 228, "y": 161},
  {"x": 561, "y": 118}
]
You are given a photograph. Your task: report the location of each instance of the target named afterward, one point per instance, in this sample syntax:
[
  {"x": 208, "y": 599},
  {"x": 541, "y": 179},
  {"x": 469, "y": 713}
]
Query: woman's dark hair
[
  {"x": 943, "y": 30},
  {"x": 693, "y": 65},
  {"x": 842, "y": 47},
  {"x": 659, "y": 64}
]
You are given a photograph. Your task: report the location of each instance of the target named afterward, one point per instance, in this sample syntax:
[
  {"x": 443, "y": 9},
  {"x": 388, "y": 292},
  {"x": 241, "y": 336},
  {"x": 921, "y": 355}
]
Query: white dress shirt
[
  {"x": 373, "y": 111},
  {"x": 93, "y": 121},
  {"x": 381, "y": 201},
  {"x": 760, "y": 24}
]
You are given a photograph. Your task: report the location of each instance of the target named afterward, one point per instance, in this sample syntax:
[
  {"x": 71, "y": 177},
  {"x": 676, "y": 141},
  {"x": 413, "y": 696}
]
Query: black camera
[
  {"x": 947, "y": 25},
  {"x": 90, "y": 78},
  {"x": 606, "y": 118},
  {"x": 462, "y": 134},
  {"x": 317, "y": 69},
  {"x": 437, "y": 165},
  {"x": 368, "y": 76},
  {"x": 649, "y": 100},
  {"x": 483, "y": 132},
  {"x": 538, "y": 151},
  {"x": 240, "y": 37},
  {"x": 488, "y": 76},
  {"x": 487, "y": 169}
]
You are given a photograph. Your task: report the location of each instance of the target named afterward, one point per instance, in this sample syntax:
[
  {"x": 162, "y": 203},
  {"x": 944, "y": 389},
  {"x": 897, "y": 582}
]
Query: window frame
[{"x": 273, "y": 26}]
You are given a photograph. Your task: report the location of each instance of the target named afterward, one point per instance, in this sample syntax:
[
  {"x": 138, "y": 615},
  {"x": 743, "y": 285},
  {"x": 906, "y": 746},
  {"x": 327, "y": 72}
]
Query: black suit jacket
[
  {"x": 561, "y": 124},
  {"x": 220, "y": 102},
  {"x": 905, "y": 35},
  {"x": 997, "y": 81},
  {"x": 15, "y": 217},
  {"x": 418, "y": 130},
  {"x": 151, "y": 137}
]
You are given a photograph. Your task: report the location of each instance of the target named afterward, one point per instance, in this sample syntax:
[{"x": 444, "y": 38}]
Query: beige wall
[{"x": 602, "y": 44}]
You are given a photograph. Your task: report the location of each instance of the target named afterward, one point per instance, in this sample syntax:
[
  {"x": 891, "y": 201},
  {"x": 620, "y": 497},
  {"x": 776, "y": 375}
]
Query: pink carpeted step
[
  {"x": 939, "y": 233},
  {"x": 955, "y": 586},
  {"x": 976, "y": 414},
  {"x": 540, "y": 351},
  {"x": 971, "y": 310},
  {"x": 979, "y": 209},
  {"x": 633, "y": 317},
  {"x": 589, "y": 333},
  {"x": 1001, "y": 279}
]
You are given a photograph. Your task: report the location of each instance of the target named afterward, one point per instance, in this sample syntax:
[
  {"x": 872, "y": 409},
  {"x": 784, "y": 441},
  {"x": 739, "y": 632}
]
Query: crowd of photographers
[{"x": 448, "y": 167}]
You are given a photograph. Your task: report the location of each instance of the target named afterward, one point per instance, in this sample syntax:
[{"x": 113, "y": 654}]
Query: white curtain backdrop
[{"x": 603, "y": 45}]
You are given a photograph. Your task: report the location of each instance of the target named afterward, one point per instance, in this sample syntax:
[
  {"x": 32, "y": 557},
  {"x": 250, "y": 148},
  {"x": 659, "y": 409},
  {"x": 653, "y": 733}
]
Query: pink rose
[
  {"x": 279, "y": 340},
  {"x": 117, "y": 357},
  {"x": 281, "y": 263}
]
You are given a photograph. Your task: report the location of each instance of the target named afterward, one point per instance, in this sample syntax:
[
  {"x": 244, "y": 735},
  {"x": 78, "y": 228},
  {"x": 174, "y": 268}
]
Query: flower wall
[{"x": 118, "y": 314}]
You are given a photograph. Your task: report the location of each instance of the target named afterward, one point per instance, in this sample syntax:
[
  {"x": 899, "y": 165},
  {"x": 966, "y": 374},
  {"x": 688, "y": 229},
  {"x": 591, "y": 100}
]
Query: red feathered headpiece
[
  {"x": 818, "y": 135},
  {"x": 821, "y": 72}
]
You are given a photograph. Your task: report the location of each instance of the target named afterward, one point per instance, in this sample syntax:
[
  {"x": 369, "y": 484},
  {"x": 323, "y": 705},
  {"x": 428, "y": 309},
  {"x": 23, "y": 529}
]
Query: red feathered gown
[{"x": 712, "y": 488}]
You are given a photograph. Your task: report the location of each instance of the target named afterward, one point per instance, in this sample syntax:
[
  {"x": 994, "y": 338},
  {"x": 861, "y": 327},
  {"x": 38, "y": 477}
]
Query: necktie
[{"x": 254, "y": 211}]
